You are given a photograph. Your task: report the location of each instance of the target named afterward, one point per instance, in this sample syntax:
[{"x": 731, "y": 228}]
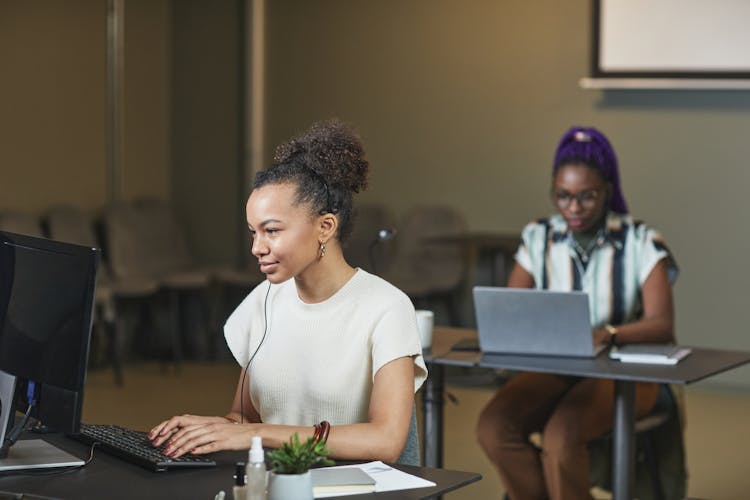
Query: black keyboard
[{"x": 135, "y": 447}]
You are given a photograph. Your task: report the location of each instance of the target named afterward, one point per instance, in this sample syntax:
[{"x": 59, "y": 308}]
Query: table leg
[
  {"x": 497, "y": 267},
  {"x": 623, "y": 449},
  {"x": 432, "y": 423}
]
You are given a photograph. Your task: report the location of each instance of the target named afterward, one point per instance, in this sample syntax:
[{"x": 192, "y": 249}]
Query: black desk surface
[
  {"x": 700, "y": 364},
  {"x": 108, "y": 477}
]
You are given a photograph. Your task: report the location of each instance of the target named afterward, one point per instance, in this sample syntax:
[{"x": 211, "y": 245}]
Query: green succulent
[{"x": 296, "y": 457}]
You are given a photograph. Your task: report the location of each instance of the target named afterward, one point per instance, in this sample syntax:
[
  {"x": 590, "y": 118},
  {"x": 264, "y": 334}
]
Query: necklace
[{"x": 585, "y": 253}]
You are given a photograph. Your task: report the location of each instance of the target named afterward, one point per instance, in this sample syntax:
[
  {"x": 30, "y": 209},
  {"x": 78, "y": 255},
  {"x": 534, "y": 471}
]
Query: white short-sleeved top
[
  {"x": 318, "y": 361},
  {"x": 614, "y": 273}
]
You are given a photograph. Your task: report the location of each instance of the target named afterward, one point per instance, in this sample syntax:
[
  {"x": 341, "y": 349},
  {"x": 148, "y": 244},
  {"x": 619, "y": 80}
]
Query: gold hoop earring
[{"x": 322, "y": 249}]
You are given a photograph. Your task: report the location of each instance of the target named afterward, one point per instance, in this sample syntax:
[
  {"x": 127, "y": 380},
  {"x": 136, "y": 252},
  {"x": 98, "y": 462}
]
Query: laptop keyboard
[{"x": 134, "y": 446}]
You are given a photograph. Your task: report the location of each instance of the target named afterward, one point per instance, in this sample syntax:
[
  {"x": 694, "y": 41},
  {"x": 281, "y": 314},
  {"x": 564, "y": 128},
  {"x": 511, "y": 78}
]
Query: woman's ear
[{"x": 328, "y": 224}]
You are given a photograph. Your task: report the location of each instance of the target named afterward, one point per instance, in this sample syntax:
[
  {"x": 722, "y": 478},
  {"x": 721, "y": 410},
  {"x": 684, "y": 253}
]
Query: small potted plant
[{"x": 290, "y": 468}]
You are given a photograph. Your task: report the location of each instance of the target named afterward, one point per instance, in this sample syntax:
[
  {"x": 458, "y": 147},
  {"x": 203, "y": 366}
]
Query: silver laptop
[{"x": 536, "y": 322}]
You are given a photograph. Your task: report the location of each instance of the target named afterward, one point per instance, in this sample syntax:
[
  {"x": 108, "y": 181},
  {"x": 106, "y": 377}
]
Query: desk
[
  {"x": 701, "y": 363},
  {"x": 111, "y": 478}
]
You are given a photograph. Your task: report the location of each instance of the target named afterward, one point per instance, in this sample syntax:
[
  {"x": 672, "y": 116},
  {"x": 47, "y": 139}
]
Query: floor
[{"x": 717, "y": 436}]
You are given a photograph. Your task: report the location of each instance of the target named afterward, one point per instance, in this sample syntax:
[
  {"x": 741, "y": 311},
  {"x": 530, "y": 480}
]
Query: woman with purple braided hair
[{"x": 591, "y": 244}]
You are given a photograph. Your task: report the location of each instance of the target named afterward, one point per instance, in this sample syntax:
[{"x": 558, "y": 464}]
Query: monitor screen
[{"x": 46, "y": 302}]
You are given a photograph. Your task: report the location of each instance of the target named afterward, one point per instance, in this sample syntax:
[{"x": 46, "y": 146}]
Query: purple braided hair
[{"x": 588, "y": 146}]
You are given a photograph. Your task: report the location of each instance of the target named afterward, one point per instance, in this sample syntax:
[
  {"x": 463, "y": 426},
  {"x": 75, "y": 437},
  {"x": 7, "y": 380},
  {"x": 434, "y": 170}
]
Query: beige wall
[
  {"x": 147, "y": 100},
  {"x": 459, "y": 101},
  {"x": 181, "y": 111},
  {"x": 463, "y": 101},
  {"x": 52, "y": 104},
  {"x": 206, "y": 178}
]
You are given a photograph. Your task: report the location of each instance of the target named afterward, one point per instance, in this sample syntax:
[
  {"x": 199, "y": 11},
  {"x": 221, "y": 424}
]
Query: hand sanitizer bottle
[{"x": 256, "y": 471}]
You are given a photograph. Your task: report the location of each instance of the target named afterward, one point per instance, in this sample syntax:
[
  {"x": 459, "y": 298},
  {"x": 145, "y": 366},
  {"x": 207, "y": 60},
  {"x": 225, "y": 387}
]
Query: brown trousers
[{"x": 569, "y": 412}]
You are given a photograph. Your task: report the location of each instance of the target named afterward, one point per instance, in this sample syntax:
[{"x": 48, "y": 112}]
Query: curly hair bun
[{"x": 332, "y": 150}]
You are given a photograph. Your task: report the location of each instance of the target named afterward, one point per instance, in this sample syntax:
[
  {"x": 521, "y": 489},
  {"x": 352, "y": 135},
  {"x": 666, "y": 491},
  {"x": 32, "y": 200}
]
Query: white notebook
[
  {"x": 386, "y": 478},
  {"x": 341, "y": 480},
  {"x": 654, "y": 354}
]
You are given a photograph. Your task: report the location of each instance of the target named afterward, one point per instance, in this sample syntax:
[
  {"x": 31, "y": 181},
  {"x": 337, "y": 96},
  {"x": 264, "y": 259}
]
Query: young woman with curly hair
[{"x": 326, "y": 350}]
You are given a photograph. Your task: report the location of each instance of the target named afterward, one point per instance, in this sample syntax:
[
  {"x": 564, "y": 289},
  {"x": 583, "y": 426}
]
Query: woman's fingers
[
  {"x": 188, "y": 438},
  {"x": 167, "y": 429},
  {"x": 165, "y": 433},
  {"x": 161, "y": 432},
  {"x": 208, "y": 438}
]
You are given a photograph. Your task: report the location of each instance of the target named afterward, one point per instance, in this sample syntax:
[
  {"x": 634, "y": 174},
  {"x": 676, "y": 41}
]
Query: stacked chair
[
  {"x": 20, "y": 223},
  {"x": 430, "y": 265},
  {"x": 148, "y": 251},
  {"x": 71, "y": 225},
  {"x": 147, "y": 273}
]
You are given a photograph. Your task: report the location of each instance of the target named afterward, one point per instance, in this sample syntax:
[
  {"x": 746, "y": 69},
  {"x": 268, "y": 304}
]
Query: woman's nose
[
  {"x": 575, "y": 205},
  {"x": 258, "y": 248}
]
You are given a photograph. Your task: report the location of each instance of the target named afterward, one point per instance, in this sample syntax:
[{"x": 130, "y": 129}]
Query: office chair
[
  {"x": 660, "y": 458},
  {"x": 660, "y": 453},
  {"x": 410, "y": 453},
  {"x": 364, "y": 248}
]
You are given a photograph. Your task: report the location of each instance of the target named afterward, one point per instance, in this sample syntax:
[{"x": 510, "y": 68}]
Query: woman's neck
[
  {"x": 592, "y": 231},
  {"x": 324, "y": 278},
  {"x": 585, "y": 242}
]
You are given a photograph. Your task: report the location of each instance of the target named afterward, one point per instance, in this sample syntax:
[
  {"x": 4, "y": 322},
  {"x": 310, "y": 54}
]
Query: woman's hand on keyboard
[
  {"x": 165, "y": 430},
  {"x": 194, "y": 434}
]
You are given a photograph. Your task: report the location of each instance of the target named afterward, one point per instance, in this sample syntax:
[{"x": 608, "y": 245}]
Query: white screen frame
[{"x": 647, "y": 39}]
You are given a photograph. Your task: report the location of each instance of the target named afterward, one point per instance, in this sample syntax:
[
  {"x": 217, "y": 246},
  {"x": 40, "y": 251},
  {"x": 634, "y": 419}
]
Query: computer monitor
[{"x": 46, "y": 303}]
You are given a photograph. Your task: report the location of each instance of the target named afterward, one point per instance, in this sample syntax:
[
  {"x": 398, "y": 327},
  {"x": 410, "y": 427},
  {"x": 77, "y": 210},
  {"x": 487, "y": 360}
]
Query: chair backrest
[
  {"x": 169, "y": 241},
  {"x": 410, "y": 454},
  {"x": 361, "y": 249},
  {"x": 69, "y": 224},
  {"x": 428, "y": 241},
  {"x": 145, "y": 240},
  {"x": 21, "y": 223}
]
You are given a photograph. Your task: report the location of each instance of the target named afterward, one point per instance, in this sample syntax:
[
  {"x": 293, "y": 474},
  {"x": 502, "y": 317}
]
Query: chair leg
[
  {"x": 115, "y": 350},
  {"x": 214, "y": 300},
  {"x": 652, "y": 462},
  {"x": 174, "y": 327},
  {"x": 113, "y": 329},
  {"x": 453, "y": 313}
]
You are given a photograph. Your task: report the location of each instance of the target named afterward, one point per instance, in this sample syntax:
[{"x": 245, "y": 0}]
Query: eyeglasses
[{"x": 586, "y": 199}]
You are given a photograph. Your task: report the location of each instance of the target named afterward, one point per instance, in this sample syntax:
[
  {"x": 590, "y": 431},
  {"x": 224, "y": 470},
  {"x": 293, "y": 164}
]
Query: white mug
[{"x": 425, "y": 320}]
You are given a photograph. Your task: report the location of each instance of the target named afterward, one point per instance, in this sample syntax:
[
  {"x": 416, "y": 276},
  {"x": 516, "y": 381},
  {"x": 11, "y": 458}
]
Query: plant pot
[{"x": 290, "y": 486}]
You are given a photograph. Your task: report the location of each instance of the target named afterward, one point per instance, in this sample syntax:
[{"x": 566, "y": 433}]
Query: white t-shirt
[{"x": 318, "y": 361}]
